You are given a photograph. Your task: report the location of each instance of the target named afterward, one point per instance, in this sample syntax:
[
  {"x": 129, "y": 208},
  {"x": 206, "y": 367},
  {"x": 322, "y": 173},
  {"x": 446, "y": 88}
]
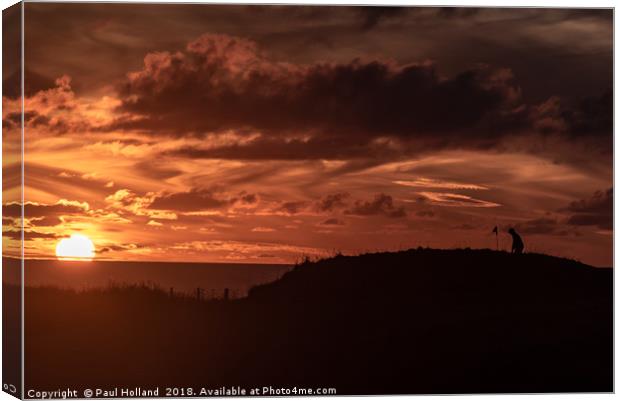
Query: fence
[{"x": 204, "y": 294}]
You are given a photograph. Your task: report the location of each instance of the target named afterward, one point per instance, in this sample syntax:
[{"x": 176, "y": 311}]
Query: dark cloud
[
  {"x": 32, "y": 119},
  {"x": 332, "y": 201},
  {"x": 55, "y": 109},
  {"x": 29, "y": 235},
  {"x": 12, "y": 120},
  {"x": 382, "y": 204},
  {"x": 206, "y": 221},
  {"x": 225, "y": 82},
  {"x": 118, "y": 247},
  {"x": 594, "y": 211},
  {"x": 316, "y": 148},
  {"x": 292, "y": 207},
  {"x": 336, "y": 110},
  {"x": 589, "y": 118},
  {"x": 332, "y": 222},
  {"x": 371, "y": 16},
  {"x": 198, "y": 199},
  {"x": 191, "y": 201},
  {"x": 222, "y": 82},
  {"x": 36, "y": 210},
  {"x": 248, "y": 199},
  {"x": 45, "y": 221},
  {"x": 560, "y": 51},
  {"x": 156, "y": 170}
]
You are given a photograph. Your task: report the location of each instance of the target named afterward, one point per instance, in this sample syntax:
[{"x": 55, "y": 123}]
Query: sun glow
[{"x": 77, "y": 247}]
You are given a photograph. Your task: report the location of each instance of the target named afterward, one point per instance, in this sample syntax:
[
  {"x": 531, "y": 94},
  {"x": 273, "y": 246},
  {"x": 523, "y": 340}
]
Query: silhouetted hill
[
  {"x": 450, "y": 321},
  {"x": 417, "y": 272},
  {"x": 418, "y": 321}
]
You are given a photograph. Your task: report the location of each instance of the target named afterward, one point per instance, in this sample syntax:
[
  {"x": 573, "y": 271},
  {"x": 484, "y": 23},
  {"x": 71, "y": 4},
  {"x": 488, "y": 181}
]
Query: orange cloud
[{"x": 456, "y": 200}]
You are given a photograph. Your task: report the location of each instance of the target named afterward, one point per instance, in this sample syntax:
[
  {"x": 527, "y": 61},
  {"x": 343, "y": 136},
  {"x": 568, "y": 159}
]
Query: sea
[{"x": 210, "y": 279}]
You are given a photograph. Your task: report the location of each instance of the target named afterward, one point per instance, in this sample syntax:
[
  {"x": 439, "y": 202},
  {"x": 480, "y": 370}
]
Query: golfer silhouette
[{"x": 517, "y": 242}]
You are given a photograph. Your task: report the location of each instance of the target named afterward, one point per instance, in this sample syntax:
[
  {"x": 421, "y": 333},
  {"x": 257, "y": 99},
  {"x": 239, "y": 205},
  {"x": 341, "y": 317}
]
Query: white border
[{"x": 479, "y": 3}]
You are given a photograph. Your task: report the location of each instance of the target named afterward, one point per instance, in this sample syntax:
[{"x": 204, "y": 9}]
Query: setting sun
[{"x": 76, "y": 247}]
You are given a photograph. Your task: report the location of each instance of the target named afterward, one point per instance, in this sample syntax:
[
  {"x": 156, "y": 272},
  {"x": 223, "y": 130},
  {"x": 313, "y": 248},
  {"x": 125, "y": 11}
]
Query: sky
[{"x": 262, "y": 134}]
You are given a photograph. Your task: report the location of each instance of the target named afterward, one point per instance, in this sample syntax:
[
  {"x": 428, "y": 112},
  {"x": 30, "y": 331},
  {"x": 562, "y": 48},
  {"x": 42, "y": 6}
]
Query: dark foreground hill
[{"x": 418, "y": 321}]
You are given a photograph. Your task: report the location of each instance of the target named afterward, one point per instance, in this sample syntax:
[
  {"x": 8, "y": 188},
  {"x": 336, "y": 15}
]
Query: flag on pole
[{"x": 495, "y": 230}]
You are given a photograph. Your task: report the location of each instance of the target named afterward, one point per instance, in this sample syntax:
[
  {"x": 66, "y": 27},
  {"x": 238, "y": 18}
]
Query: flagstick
[{"x": 496, "y": 241}]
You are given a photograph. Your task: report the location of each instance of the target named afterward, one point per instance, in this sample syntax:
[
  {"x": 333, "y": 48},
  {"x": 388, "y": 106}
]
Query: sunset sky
[{"x": 263, "y": 133}]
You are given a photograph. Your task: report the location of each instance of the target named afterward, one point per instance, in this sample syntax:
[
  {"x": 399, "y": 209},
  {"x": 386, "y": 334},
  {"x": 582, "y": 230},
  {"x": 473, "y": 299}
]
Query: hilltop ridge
[{"x": 426, "y": 269}]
